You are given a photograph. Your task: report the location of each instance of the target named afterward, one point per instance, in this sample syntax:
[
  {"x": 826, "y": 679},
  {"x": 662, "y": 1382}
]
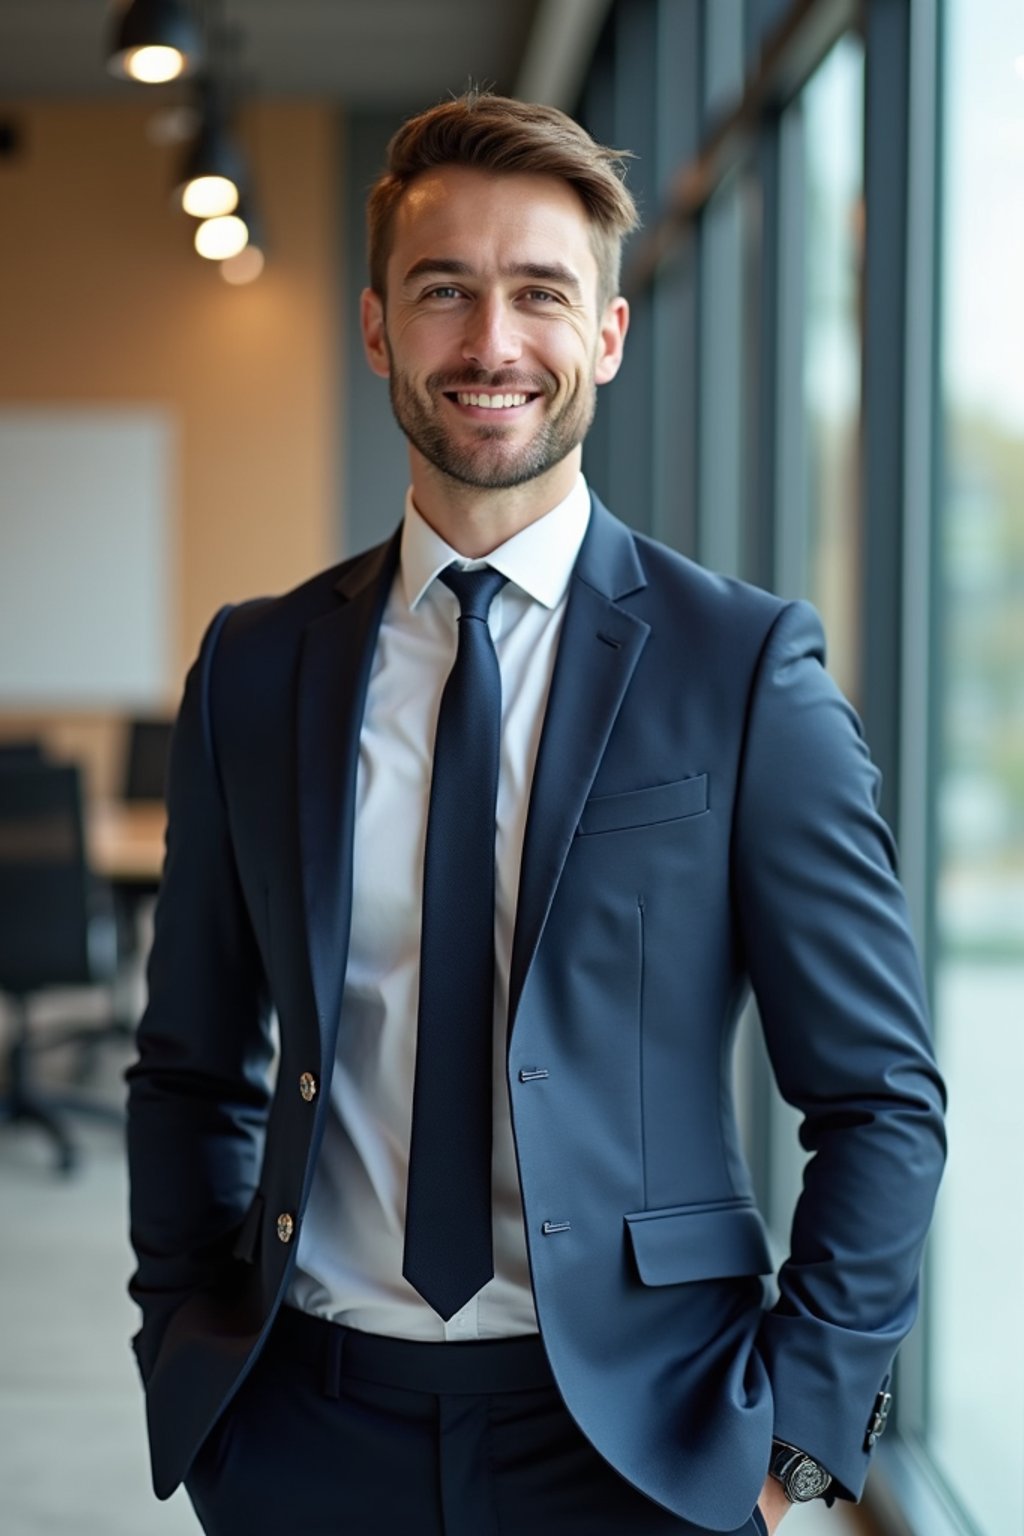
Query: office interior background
[{"x": 823, "y": 393}]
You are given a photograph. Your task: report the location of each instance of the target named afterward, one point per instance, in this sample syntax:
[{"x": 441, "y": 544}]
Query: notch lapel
[
  {"x": 334, "y": 672},
  {"x": 598, "y": 651}
]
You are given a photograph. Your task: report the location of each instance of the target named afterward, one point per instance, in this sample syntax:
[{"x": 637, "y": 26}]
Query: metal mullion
[
  {"x": 630, "y": 427},
  {"x": 678, "y": 89},
  {"x": 886, "y": 177},
  {"x": 920, "y": 650},
  {"x": 596, "y": 111},
  {"x": 764, "y": 261},
  {"x": 790, "y": 575}
]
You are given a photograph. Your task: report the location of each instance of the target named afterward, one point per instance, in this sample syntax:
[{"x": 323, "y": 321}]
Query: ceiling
[{"x": 363, "y": 53}]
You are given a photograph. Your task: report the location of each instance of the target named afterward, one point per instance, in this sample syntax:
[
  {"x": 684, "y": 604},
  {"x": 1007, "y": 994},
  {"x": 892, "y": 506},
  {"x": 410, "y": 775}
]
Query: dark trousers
[{"x": 338, "y": 1433}]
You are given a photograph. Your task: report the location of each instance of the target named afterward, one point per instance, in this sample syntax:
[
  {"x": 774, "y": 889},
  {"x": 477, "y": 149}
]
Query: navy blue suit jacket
[{"x": 703, "y": 820}]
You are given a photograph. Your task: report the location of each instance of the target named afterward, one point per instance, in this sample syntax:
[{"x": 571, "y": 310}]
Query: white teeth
[{"x": 491, "y": 402}]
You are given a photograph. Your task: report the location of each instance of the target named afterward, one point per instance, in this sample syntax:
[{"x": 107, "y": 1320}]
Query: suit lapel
[
  {"x": 597, "y": 653},
  {"x": 334, "y": 672}
]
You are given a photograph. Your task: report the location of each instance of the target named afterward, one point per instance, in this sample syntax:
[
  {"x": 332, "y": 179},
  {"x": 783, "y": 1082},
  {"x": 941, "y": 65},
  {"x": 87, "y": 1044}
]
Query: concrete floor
[{"x": 72, "y": 1443}]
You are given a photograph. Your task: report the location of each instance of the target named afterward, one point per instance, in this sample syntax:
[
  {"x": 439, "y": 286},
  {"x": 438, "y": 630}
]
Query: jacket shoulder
[
  {"x": 712, "y": 592},
  {"x": 251, "y": 649},
  {"x": 270, "y": 617},
  {"x": 719, "y": 616}
]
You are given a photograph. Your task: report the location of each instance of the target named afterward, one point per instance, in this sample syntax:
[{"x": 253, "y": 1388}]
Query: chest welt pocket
[
  {"x": 699, "y": 1242},
  {"x": 645, "y": 807}
]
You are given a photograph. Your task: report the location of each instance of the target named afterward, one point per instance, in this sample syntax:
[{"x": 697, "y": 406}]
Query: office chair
[
  {"x": 149, "y": 747},
  {"x": 56, "y": 929},
  {"x": 144, "y": 778},
  {"x": 17, "y": 753}
]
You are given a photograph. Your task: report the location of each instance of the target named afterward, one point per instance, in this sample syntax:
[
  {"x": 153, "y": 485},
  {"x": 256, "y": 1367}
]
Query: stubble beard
[{"x": 483, "y": 462}]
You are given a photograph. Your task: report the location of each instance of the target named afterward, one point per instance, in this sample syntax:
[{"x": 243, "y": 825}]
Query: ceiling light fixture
[
  {"x": 211, "y": 180},
  {"x": 155, "y": 41}
]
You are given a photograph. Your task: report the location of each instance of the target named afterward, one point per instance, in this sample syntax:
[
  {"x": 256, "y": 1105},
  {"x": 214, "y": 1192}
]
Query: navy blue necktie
[{"x": 448, "y": 1251}]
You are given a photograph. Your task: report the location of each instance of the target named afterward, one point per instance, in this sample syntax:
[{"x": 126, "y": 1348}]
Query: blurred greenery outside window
[{"x": 975, "y": 1333}]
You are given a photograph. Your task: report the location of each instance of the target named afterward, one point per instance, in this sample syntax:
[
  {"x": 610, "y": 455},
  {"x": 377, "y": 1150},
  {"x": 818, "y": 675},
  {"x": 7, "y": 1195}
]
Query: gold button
[
  {"x": 285, "y": 1227},
  {"x": 307, "y": 1087}
]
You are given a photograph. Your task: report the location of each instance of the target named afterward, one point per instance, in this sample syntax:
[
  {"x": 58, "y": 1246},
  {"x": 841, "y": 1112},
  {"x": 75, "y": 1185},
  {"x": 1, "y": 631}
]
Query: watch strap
[{"x": 802, "y": 1477}]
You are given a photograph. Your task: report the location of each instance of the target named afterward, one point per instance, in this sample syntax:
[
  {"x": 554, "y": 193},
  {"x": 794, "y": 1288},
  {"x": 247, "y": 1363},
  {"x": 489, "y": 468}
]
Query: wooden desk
[{"x": 126, "y": 841}]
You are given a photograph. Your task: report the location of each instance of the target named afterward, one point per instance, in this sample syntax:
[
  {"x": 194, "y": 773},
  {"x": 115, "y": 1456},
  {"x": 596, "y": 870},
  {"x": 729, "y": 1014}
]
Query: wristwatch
[{"x": 802, "y": 1477}]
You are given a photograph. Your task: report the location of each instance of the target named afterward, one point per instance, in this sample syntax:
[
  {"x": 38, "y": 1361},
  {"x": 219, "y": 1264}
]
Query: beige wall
[{"x": 103, "y": 301}]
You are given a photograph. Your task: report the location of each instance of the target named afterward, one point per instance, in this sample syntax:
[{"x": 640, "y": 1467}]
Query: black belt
[{"x": 482, "y": 1366}]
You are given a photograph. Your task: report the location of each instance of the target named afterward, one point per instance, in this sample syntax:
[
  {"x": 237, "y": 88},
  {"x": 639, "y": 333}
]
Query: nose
[{"x": 491, "y": 339}]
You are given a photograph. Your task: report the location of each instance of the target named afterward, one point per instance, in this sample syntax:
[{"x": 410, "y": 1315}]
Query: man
[{"x": 501, "y": 819}]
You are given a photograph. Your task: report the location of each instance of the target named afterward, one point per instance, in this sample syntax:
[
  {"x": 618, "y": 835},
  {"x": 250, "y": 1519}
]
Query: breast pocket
[{"x": 645, "y": 807}]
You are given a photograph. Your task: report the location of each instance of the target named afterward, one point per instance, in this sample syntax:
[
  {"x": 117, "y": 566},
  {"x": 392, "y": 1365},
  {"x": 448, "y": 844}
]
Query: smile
[{"x": 492, "y": 402}]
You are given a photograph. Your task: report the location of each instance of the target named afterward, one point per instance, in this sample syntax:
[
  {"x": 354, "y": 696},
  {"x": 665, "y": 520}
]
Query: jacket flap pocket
[
  {"x": 645, "y": 807},
  {"x": 699, "y": 1242}
]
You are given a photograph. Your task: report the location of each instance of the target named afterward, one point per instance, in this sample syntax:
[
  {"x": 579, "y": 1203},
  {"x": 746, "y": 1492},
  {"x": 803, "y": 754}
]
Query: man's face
[{"x": 491, "y": 339}]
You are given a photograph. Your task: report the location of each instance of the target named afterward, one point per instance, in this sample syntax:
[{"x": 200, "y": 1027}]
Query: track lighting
[
  {"x": 154, "y": 41},
  {"x": 158, "y": 40}
]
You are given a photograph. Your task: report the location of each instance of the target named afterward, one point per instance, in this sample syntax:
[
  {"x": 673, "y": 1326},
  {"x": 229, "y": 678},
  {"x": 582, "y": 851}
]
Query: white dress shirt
[{"x": 349, "y": 1261}]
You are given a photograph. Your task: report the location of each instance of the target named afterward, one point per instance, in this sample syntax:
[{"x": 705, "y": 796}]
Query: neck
[{"x": 475, "y": 521}]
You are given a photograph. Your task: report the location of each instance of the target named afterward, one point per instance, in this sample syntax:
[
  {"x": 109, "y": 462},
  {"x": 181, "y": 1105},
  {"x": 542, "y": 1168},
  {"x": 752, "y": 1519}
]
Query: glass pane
[
  {"x": 721, "y": 321},
  {"x": 975, "y": 1423},
  {"x": 819, "y": 511},
  {"x": 723, "y": 57},
  {"x": 832, "y": 107}
]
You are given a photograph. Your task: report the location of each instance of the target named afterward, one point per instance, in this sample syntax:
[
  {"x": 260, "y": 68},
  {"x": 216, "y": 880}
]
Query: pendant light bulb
[
  {"x": 153, "y": 65},
  {"x": 155, "y": 41},
  {"x": 209, "y": 197},
  {"x": 220, "y": 238}
]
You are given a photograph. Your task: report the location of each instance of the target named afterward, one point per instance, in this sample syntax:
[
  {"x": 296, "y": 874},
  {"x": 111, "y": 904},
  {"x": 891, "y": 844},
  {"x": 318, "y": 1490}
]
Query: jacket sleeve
[
  {"x": 832, "y": 962},
  {"x": 198, "y": 1092}
]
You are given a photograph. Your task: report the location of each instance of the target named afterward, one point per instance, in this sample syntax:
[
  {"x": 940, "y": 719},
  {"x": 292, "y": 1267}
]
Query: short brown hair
[{"x": 499, "y": 134}]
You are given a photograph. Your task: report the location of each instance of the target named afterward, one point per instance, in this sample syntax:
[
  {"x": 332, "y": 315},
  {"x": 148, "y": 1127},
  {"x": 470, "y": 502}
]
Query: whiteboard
[{"x": 85, "y": 546}]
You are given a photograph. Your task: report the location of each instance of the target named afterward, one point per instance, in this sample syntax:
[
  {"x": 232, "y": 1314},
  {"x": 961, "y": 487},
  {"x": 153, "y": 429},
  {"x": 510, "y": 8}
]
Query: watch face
[{"x": 807, "y": 1481}]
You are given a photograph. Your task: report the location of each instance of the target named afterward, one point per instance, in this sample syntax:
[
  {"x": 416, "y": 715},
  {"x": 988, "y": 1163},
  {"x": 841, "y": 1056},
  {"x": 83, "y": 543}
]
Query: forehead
[{"x": 490, "y": 220}]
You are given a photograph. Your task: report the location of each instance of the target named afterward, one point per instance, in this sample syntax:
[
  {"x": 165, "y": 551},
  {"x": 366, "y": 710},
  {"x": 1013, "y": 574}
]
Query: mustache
[{"x": 504, "y": 379}]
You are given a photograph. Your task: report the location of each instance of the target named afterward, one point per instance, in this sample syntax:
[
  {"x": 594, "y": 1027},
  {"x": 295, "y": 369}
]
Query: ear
[
  {"x": 611, "y": 339},
  {"x": 375, "y": 341}
]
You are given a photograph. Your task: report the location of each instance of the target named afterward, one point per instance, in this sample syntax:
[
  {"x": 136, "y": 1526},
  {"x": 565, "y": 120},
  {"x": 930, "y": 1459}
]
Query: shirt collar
[{"x": 539, "y": 559}]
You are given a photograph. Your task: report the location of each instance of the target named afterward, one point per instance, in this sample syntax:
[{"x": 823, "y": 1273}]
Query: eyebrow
[{"x": 538, "y": 272}]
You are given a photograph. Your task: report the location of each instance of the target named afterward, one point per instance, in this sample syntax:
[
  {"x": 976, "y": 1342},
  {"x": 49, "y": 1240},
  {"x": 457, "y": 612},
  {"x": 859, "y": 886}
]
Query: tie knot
[{"x": 475, "y": 590}]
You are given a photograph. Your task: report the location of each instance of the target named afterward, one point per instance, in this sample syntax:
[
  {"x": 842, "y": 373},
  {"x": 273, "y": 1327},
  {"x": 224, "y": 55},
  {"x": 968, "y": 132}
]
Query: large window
[
  {"x": 975, "y": 1420},
  {"x": 817, "y": 537},
  {"x": 851, "y": 213}
]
